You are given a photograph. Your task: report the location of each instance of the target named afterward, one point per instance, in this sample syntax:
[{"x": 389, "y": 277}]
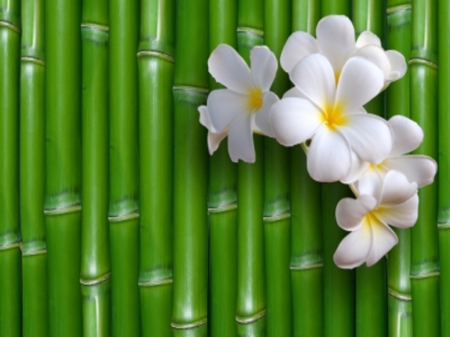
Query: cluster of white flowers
[{"x": 334, "y": 76}]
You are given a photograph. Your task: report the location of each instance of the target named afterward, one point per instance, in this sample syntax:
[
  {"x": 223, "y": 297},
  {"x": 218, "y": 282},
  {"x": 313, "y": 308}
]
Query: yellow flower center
[
  {"x": 377, "y": 167},
  {"x": 337, "y": 75},
  {"x": 333, "y": 117},
  {"x": 255, "y": 100}
]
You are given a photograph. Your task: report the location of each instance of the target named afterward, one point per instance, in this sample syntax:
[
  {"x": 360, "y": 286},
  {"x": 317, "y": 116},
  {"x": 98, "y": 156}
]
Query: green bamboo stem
[
  {"x": 306, "y": 234},
  {"x": 251, "y": 297},
  {"x": 190, "y": 171},
  {"x": 32, "y": 171},
  {"x": 444, "y": 194},
  {"x": 124, "y": 170},
  {"x": 425, "y": 260},
  {"x": 222, "y": 198},
  {"x": 277, "y": 224},
  {"x": 95, "y": 275},
  {"x": 371, "y": 293},
  {"x": 398, "y": 37},
  {"x": 156, "y": 69},
  {"x": 339, "y": 285},
  {"x": 63, "y": 158}
]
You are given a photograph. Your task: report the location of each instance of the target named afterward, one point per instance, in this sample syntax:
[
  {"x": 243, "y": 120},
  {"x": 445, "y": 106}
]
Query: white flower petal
[
  {"x": 294, "y": 120},
  {"x": 401, "y": 216},
  {"x": 314, "y": 77},
  {"x": 205, "y": 120},
  {"x": 294, "y": 92},
  {"x": 377, "y": 56},
  {"x": 383, "y": 239},
  {"x": 230, "y": 69},
  {"x": 358, "y": 168},
  {"x": 407, "y": 135},
  {"x": 354, "y": 248},
  {"x": 396, "y": 189},
  {"x": 416, "y": 168},
  {"x": 371, "y": 182},
  {"x": 240, "y": 140},
  {"x": 224, "y": 106},
  {"x": 398, "y": 65},
  {"x": 298, "y": 45},
  {"x": 336, "y": 39},
  {"x": 350, "y": 212},
  {"x": 360, "y": 81},
  {"x": 367, "y": 38},
  {"x": 214, "y": 140},
  {"x": 369, "y": 136},
  {"x": 263, "y": 114},
  {"x": 329, "y": 156},
  {"x": 264, "y": 67}
]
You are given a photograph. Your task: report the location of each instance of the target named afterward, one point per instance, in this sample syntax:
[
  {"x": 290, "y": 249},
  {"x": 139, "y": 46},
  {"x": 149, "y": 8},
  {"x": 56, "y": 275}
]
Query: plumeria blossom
[
  {"x": 243, "y": 107},
  {"x": 336, "y": 41},
  {"x": 367, "y": 218},
  {"x": 417, "y": 168},
  {"x": 332, "y": 117}
]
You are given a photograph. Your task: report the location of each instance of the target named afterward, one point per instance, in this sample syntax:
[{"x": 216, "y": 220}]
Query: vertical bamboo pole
[
  {"x": 444, "y": 168},
  {"x": 222, "y": 198},
  {"x": 63, "y": 170},
  {"x": 10, "y": 320},
  {"x": 339, "y": 291},
  {"x": 32, "y": 172},
  {"x": 424, "y": 259},
  {"x": 95, "y": 275},
  {"x": 371, "y": 320},
  {"x": 156, "y": 69},
  {"x": 277, "y": 223},
  {"x": 124, "y": 169},
  {"x": 398, "y": 102},
  {"x": 306, "y": 233},
  {"x": 190, "y": 171},
  {"x": 251, "y": 297}
]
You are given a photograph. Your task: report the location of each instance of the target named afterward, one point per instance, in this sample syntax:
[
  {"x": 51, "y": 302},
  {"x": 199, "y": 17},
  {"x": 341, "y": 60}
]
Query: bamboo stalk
[
  {"x": 339, "y": 285},
  {"x": 277, "y": 224},
  {"x": 424, "y": 259},
  {"x": 190, "y": 171},
  {"x": 124, "y": 169},
  {"x": 63, "y": 174},
  {"x": 251, "y": 298},
  {"x": 371, "y": 319},
  {"x": 306, "y": 234},
  {"x": 95, "y": 257},
  {"x": 32, "y": 171},
  {"x": 444, "y": 194},
  {"x": 398, "y": 102},
  {"x": 156, "y": 68},
  {"x": 222, "y": 198}
]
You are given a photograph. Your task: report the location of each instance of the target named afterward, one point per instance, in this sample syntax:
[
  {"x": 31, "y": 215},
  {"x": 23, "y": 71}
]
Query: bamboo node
[
  {"x": 306, "y": 266},
  {"x": 443, "y": 224},
  {"x": 95, "y": 26},
  {"x": 155, "y": 283},
  {"x": 124, "y": 217},
  {"x": 418, "y": 60},
  {"x": 10, "y": 245},
  {"x": 252, "y": 31},
  {"x": 223, "y": 209},
  {"x": 95, "y": 281},
  {"x": 10, "y": 25},
  {"x": 34, "y": 252},
  {"x": 192, "y": 325},
  {"x": 395, "y": 9},
  {"x": 251, "y": 319},
  {"x": 277, "y": 217},
  {"x": 156, "y": 53},
  {"x": 201, "y": 91},
  {"x": 399, "y": 296},
  {"x": 63, "y": 210},
  {"x": 434, "y": 273},
  {"x": 33, "y": 60}
]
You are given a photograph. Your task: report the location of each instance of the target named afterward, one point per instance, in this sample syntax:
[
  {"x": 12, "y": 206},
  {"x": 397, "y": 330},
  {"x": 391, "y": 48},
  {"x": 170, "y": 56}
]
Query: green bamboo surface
[
  {"x": 443, "y": 172},
  {"x": 425, "y": 259},
  {"x": 63, "y": 164},
  {"x": 251, "y": 287},
  {"x": 95, "y": 277},
  {"x": 222, "y": 198},
  {"x": 398, "y": 37},
  {"x": 306, "y": 234},
  {"x": 190, "y": 171},
  {"x": 124, "y": 170},
  {"x": 156, "y": 70},
  {"x": 277, "y": 224},
  {"x": 371, "y": 282},
  {"x": 32, "y": 171}
]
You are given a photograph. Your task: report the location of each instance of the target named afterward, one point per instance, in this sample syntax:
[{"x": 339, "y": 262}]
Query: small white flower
[
  {"x": 242, "y": 108},
  {"x": 332, "y": 116},
  {"x": 336, "y": 41},
  {"x": 420, "y": 169},
  {"x": 367, "y": 219}
]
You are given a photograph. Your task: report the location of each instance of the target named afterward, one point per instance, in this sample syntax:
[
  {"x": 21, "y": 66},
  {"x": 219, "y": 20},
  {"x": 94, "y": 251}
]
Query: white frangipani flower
[
  {"x": 242, "y": 108},
  {"x": 332, "y": 116},
  {"x": 407, "y": 136},
  {"x": 336, "y": 41},
  {"x": 367, "y": 219}
]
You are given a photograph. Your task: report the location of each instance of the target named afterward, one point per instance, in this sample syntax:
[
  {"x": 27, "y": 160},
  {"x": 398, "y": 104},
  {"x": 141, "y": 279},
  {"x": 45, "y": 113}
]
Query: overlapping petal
[
  {"x": 224, "y": 106},
  {"x": 407, "y": 135},
  {"x": 264, "y": 67},
  {"x": 298, "y": 45},
  {"x": 367, "y": 38},
  {"x": 398, "y": 65},
  {"x": 262, "y": 117},
  {"x": 214, "y": 140},
  {"x": 350, "y": 213},
  {"x": 383, "y": 239},
  {"x": 417, "y": 168},
  {"x": 402, "y": 215},
  {"x": 240, "y": 140},
  {"x": 377, "y": 56},
  {"x": 396, "y": 189},
  {"x": 354, "y": 249}
]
